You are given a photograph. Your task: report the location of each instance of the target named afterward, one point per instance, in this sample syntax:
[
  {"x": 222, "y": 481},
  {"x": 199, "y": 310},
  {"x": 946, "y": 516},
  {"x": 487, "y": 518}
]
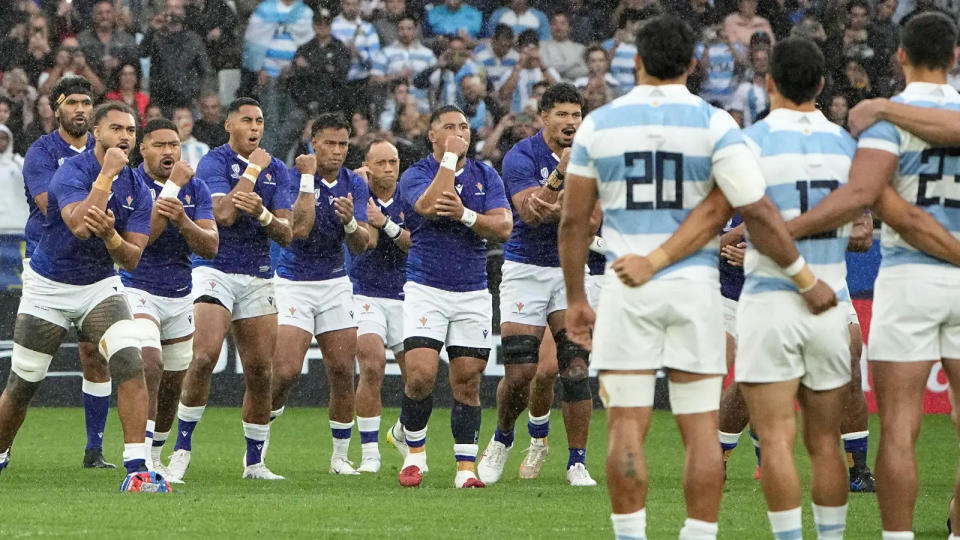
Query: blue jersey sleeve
[
  {"x": 211, "y": 170},
  {"x": 881, "y": 136},
  {"x": 282, "y": 197},
  {"x": 38, "y": 169},
  {"x": 496, "y": 196},
  {"x": 413, "y": 183},
  {"x": 204, "y": 202},
  {"x": 139, "y": 221},
  {"x": 361, "y": 194},
  {"x": 519, "y": 172},
  {"x": 67, "y": 185}
]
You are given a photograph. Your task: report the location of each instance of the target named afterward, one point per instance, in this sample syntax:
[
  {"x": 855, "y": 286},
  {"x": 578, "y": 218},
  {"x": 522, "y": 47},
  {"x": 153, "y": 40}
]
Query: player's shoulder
[
  {"x": 523, "y": 150},
  {"x": 427, "y": 165},
  {"x": 216, "y": 156},
  {"x": 481, "y": 167}
]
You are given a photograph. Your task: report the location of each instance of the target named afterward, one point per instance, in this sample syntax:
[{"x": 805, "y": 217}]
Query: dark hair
[
  {"x": 797, "y": 67},
  {"x": 560, "y": 93},
  {"x": 379, "y": 139},
  {"x": 435, "y": 115},
  {"x": 858, "y": 3},
  {"x": 7, "y": 101},
  {"x": 68, "y": 86},
  {"x": 592, "y": 48},
  {"x": 929, "y": 40},
  {"x": 105, "y": 108},
  {"x": 502, "y": 31},
  {"x": 157, "y": 124},
  {"x": 330, "y": 121},
  {"x": 241, "y": 102},
  {"x": 628, "y": 15},
  {"x": 115, "y": 76},
  {"x": 665, "y": 46},
  {"x": 528, "y": 37}
]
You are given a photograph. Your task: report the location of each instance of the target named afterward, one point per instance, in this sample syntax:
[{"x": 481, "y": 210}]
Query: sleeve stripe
[
  {"x": 880, "y": 144},
  {"x": 587, "y": 171}
]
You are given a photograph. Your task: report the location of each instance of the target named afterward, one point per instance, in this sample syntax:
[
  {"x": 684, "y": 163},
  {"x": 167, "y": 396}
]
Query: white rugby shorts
[
  {"x": 458, "y": 319},
  {"x": 175, "y": 315},
  {"x": 380, "y": 316},
  {"x": 244, "y": 296},
  {"x": 530, "y": 293},
  {"x": 780, "y": 340},
  {"x": 729, "y": 315},
  {"x": 317, "y": 307},
  {"x": 594, "y": 288},
  {"x": 63, "y": 304}
]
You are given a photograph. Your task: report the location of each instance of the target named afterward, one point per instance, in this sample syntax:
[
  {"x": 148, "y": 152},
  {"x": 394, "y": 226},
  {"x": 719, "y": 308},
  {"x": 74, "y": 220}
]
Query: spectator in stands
[
  {"x": 520, "y": 17},
  {"x": 403, "y": 60},
  {"x": 596, "y": 94},
  {"x": 453, "y": 18},
  {"x": 560, "y": 53},
  {"x": 361, "y": 40},
  {"x": 697, "y": 13},
  {"x": 855, "y": 83},
  {"x": 178, "y": 58},
  {"x": 153, "y": 111},
  {"x": 884, "y": 33},
  {"x": 622, "y": 48},
  {"x": 837, "y": 109},
  {"x": 209, "y": 128},
  {"x": 275, "y": 30},
  {"x": 530, "y": 69},
  {"x": 481, "y": 109},
  {"x": 13, "y": 206},
  {"x": 443, "y": 80},
  {"x": 750, "y": 100},
  {"x": 922, "y": 6},
  {"x": 399, "y": 97},
  {"x": 590, "y": 25},
  {"x": 499, "y": 57},
  {"x": 387, "y": 19},
  {"x": 125, "y": 87},
  {"x": 43, "y": 123},
  {"x": 598, "y": 69},
  {"x": 22, "y": 96},
  {"x": 104, "y": 45},
  {"x": 191, "y": 150},
  {"x": 719, "y": 58},
  {"x": 318, "y": 76},
  {"x": 39, "y": 56},
  {"x": 853, "y": 43},
  {"x": 69, "y": 61},
  {"x": 216, "y": 22},
  {"x": 744, "y": 22}
]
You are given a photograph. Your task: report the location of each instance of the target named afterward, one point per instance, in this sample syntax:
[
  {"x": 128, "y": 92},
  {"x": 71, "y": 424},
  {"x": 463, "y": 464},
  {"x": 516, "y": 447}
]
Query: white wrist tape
[
  {"x": 306, "y": 183},
  {"x": 795, "y": 267},
  {"x": 469, "y": 217},
  {"x": 258, "y": 168},
  {"x": 449, "y": 161},
  {"x": 599, "y": 245},
  {"x": 169, "y": 191},
  {"x": 265, "y": 217},
  {"x": 351, "y": 227},
  {"x": 808, "y": 288},
  {"x": 392, "y": 229},
  {"x": 249, "y": 177}
]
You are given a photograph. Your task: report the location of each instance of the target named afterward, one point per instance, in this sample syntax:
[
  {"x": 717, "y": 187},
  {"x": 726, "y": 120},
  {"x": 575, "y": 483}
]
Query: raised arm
[
  {"x": 937, "y": 126},
  {"x": 537, "y": 205},
  {"x": 304, "y": 207},
  {"x": 114, "y": 160},
  {"x": 426, "y": 204},
  {"x": 224, "y": 208},
  {"x": 378, "y": 221}
]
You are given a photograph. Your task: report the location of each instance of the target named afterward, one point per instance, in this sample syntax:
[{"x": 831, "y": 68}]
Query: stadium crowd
[{"x": 387, "y": 63}]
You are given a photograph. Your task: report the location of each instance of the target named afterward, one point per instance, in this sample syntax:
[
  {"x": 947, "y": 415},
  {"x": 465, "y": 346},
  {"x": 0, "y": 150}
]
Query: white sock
[
  {"x": 786, "y": 524},
  {"x": 465, "y": 452},
  {"x": 97, "y": 389},
  {"x": 159, "y": 438},
  {"x": 5, "y": 455},
  {"x": 190, "y": 414},
  {"x": 953, "y": 537},
  {"x": 415, "y": 437},
  {"x": 276, "y": 413},
  {"x": 340, "y": 443},
  {"x": 897, "y": 535},
  {"x": 630, "y": 526},
  {"x": 148, "y": 443},
  {"x": 132, "y": 451},
  {"x": 831, "y": 521},
  {"x": 369, "y": 428},
  {"x": 695, "y": 529}
]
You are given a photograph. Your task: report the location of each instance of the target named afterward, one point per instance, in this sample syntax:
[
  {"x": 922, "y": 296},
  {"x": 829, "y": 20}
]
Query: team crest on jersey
[
  {"x": 60, "y": 161},
  {"x": 236, "y": 170},
  {"x": 268, "y": 179},
  {"x": 479, "y": 189},
  {"x": 143, "y": 301},
  {"x": 129, "y": 201},
  {"x": 186, "y": 199}
]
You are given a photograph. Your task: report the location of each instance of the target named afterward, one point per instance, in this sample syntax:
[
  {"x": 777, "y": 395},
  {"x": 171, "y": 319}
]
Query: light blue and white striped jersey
[
  {"x": 803, "y": 157},
  {"x": 721, "y": 81},
  {"x": 191, "y": 150},
  {"x": 652, "y": 153},
  {"x": 522, "y": 92},
  {"x": 623, "y": 65},
  {"x": 497, "y": 69},
  {"x": 274, "y": 33},
  {"x": 751, "y": 100},
  {"x": 396, "y": 58},
  {"x": 927, "y": 177},
  {"x": 364, "y": 36},
  {"x": 531, "y": 19}
]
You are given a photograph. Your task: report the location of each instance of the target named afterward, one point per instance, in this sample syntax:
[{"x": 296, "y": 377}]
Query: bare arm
[
  {"x": 41, "y": 202},
  {"x": 125, "y": 249},
  {"x": 73, "y": 214},
  {"x": 917, "y": 227},
  {"x": 224, "y": 208},
  {"x": 575, "y": 233},
  {"x": 377, "y": 221},
  {"x": 279, "y": 229},
  {"x": 937, "y": 126},
  {"x": 304, "y": 215},
  {"x": 442, "y": 182},
  {"x": 505, "y": 94}
]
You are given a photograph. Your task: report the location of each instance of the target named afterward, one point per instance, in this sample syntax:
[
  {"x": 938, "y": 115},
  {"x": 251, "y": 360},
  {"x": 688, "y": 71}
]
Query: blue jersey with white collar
[
  {"x": 164, "y": 268},
  {"x": 244, "y": 246},
  {"x": 527, "y": 165},
  {"x": 61, "y": 256},
  {"x": 381, "y": 272},
  {"x": 444, "y": 253},
  {"x": 43, "y": 159},
  {"x": 319, "y": 256}
]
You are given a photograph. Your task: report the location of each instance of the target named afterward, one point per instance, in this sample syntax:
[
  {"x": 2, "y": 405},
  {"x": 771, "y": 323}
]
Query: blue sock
[
  {"x": 255, "y": 434},
  {"x": 96, "y": 407},
  {"x": 577, "y": 455},
  {"x": 756, "y": 445},
  {"x": 184, "y": 435},
  {"x": 539, "y": 427},
  {"x": 505, "y": 438},
  {"x": 856, "y": 444}
]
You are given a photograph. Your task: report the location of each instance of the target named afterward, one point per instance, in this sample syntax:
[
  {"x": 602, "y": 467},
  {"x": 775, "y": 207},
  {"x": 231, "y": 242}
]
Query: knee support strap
[
  {"x": 568, "y": 351},
  {"x": 520, "y": 349},
  {"x": 121, "y": 335},
  {"x": 626, "y": 389},
  {"x": 177, "y": 356},
  {"x": 575, "y": 390},
  {"x": 149, "y": 333},
  {"x": 695, "y": 397},
  {"x": 28, "y": 364}
]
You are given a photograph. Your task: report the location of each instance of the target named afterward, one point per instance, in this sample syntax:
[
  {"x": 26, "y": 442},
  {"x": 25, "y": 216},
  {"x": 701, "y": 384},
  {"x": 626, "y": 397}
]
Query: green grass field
[{"x": 46, "y": 493}]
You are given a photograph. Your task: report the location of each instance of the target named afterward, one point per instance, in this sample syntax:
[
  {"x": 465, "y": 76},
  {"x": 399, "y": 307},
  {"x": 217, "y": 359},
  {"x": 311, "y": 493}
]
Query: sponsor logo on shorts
[
  {"x": 351, "y": 313},
  {"x": 485, "y": 332},
  {"x": 213, "y": 284},
  {"x": 519, "y": 307},
  {"x": 292, "y": 310},
  {"x": 366, "y": 308},
  {"x": 423, "y": 321},
  {"x": 270, "y": 300}
]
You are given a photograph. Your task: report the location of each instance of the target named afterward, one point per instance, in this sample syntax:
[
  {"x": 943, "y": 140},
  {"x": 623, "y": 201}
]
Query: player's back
[
  {"x": 803, "y": 157},
  {"x": 926, "y": 177},
  {"x": 652, "y": 152}
]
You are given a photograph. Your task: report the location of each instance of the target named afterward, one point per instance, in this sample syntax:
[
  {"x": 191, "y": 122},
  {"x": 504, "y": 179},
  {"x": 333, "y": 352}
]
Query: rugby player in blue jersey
[
  {"x": 159, "y": 289},
  {"x": 72, "y": 103},
  {"x": 458, "y": 204},
  {"x": 98, "y": 215},
  {"x": 314, "y": 294},
  {"x": 235, "y": 290}
]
